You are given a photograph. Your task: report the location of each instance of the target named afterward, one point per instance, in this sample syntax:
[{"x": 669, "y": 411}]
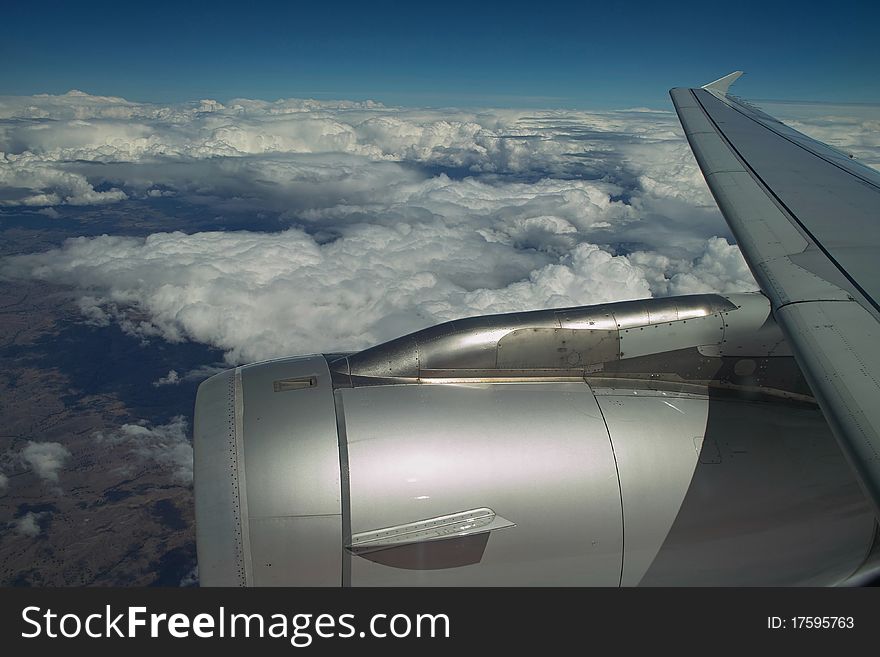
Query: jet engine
[{"x": 667, "y": 441}]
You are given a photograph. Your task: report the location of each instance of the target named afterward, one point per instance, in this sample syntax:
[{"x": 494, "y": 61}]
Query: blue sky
[{"x": 549, "y": 54}]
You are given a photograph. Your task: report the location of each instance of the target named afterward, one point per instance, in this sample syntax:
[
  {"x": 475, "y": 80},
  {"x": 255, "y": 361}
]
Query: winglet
[{"x": 721, "y": 85}]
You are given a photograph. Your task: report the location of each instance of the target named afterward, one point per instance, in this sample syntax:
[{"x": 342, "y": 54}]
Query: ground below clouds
[{"x": 109, "y": 517}]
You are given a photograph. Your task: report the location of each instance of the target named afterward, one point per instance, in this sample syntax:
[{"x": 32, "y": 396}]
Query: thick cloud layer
[
  {"x": 389, "y": 219},
  {"x": 260, "y": 295}
]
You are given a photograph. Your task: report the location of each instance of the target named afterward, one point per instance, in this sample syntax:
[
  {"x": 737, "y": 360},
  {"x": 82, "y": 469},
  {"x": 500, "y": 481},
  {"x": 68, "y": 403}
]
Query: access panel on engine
[{"x": 480, "y": 484}]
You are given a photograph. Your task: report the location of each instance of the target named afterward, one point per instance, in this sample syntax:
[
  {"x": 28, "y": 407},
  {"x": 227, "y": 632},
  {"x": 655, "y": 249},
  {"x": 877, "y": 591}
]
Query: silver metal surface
[
  {"x": 556, "y": 348},
  {"x": 722, "y": 84},
  {"x": 672, "y": 336},
  {"x": 843, "y": 368},
  {"x": 755, "y": 334},
  {"x": 831, "y": 197},
  {"x": 536, "y": 454},
  {"x": 297, "y": 551},
  {"x": 568, "y": 338},
  {"x": 286, "y": 385},
  {"x": 656, "y": 442},
  {"x": 291, "y": 451},
  {"x": 463, "y": 523},
  {"x": 771, "y": 503},
  {"x": 805, "y": 216},
  {"x": 267, "y": 476},
  {"x": 625, "y": 477},
  {"x": 216, "y": 453}
]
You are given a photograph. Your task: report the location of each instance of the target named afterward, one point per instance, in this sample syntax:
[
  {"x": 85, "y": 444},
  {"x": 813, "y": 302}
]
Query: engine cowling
[{"x": 668, "y": 441}]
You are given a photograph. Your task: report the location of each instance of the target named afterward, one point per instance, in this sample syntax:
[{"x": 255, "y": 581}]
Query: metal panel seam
[
  {"x": 732, "y": 104},
  {"x": 793, "y": 217},
  {"x": 619, "y": 487},
  {"x": 344, "y": 486},
  {"x": 242, "y": 482}
]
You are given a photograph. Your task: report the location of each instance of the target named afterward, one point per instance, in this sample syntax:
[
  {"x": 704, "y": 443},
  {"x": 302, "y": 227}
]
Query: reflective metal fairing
[
  {"x": 536, "y": 454},
  {"x": 669, "y": 441},
  {"x": 727, "y": 342},
  {"x": 771, "y": 502},
  {"x": 216, "y": 470},
  {"x": 267, "y": 478},
  {"x": 565, "y": 339}
]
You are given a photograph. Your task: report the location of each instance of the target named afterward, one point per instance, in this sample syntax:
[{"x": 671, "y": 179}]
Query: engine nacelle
[{"x": 668, "y": 441}]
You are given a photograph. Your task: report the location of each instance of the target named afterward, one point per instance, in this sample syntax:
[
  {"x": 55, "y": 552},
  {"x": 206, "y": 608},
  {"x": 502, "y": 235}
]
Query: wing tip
[{"x": 721, "y": 85}]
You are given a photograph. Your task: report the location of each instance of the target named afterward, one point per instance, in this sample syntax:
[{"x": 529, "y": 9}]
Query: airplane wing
[{"x": 807, "y": 219}]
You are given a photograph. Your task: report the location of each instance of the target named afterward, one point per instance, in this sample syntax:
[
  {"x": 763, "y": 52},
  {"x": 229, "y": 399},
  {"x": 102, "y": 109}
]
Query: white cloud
[
  {"x": 720, "y": 267},
  {"x": 167, "y": 445},
  {"x": 395, "y": 218},
  {"x": 46, "y": 459},
  {"x": 384, "y": 247},
  {"x": 32, "y": 182},
  {"x": 170, "y": 379},
  {"x": 202, "y": 372},
  {"x": 191, "y": 578},
  {"x": 259, "y": 295},
  {"x": 46, "y": 141},
  {"x": 29, "y": 523}
]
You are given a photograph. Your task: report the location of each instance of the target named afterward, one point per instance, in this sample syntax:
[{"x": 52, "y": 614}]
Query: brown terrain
[{"x": 112, "y": 517}]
